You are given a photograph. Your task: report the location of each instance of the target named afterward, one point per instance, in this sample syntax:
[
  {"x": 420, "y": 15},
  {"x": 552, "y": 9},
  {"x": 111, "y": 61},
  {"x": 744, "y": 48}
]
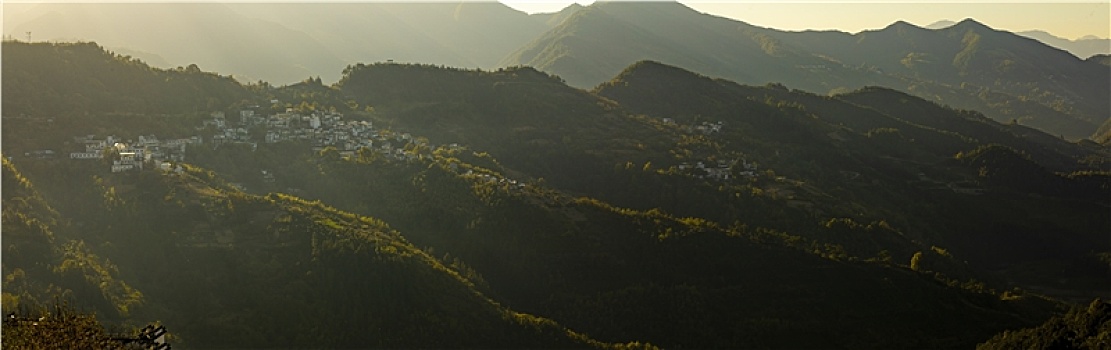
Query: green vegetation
[
  {"x": 227, "y": 268},
  {"x": 1079, "y": 328},
  {"x": 43, "y": 262},
  {"x": 81, "y": 78},
  {"x": 61, "y": 328},
  {"x": 535, "y": 247},
  {"x": 663, "y": 208}
]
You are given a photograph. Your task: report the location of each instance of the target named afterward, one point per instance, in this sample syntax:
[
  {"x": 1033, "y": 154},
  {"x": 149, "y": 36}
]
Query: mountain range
[
  {"x": 1084, "y": 47},
  {"x": 965, "y": 65},
  {"x": 285, "y": 43},
  {"x": 662, "y": 207},
  {"x": 968, "y": 65}
]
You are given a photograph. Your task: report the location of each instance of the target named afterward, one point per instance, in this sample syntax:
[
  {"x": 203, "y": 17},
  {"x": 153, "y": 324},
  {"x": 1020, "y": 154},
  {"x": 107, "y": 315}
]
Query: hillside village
[
  {"x": 321, "y": 130},
  {"x": 349, "y": 138}
]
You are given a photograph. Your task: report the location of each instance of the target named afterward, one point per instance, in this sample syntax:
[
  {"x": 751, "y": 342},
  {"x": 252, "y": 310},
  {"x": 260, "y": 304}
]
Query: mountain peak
[
  {"x": 641, "y": 5},
  {"x": 1039, "y": 32},
  {"x": 901, "y": 25},
  {"x": 969, "y": 23},
  {"x": 650, "y": 67},
  {"x": 942, "y": 24},
  {"x": 644, "y": 64}
]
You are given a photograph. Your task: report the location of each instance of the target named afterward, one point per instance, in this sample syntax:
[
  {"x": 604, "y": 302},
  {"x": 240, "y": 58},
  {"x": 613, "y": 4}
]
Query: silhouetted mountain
[
  {"x": 555, "y": 18},
  {"x": 990, "y": 68},
  {"x": 967, "y": 65},
  {"x": 460, "y": 35},
  {"x": 1083, "y": 47},
  {"x": 583, "y": 50},
  {"x": 209, "y": 35},
  {"x": 942, "y": 24},
  {"x": 1101, "y": 59},
  {"x": 283, "y": 43}
]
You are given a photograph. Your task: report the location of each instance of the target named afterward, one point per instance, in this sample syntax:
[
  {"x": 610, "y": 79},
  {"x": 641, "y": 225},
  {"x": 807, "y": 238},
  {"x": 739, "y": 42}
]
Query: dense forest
[{"x": 661, "y": 208}]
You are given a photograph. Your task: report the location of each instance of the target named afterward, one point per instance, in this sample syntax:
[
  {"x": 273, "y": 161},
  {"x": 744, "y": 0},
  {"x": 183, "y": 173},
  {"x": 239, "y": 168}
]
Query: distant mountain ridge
[
  {"x": 942, "y": 24},
  {"x": 966, "y": 64},
  {"x": 1083, "y": 47},
  {"x": 285, "y": 43}
]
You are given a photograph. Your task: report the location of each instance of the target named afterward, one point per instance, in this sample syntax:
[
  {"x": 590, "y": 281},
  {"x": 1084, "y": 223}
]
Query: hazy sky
[{"x": 1070, "y": 20}]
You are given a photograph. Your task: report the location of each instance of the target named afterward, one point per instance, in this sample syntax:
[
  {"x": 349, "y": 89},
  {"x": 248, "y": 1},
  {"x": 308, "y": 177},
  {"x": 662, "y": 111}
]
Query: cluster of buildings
[
  {"x": 321, "y": 129},
  {"x": 706, "y": 128},
  {"x": 130, "y": 154},
  {"x": 319, "y": 126},
  {"x": 721, "y": 170}
]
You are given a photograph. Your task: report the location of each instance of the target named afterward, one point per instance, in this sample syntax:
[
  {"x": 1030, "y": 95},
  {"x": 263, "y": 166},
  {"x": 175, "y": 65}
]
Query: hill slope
[
  {"x": 859, "y": 153},
  {"x": 967, "y": 65},
  {"x": 80, "y": 78},
  {"x": 618, "y": 273},
  {"x": 280, "y": 271}
]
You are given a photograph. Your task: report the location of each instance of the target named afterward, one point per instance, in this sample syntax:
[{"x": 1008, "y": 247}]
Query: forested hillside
[
  {"x": 45, "y": 261},
  {"x": 505, "y": 208},
  {"x": 274, "y": 271},
  {"x": 967, "y": 65},
  {"x": 47, "y": 80},
  {"x": 581, "y": 257}
]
